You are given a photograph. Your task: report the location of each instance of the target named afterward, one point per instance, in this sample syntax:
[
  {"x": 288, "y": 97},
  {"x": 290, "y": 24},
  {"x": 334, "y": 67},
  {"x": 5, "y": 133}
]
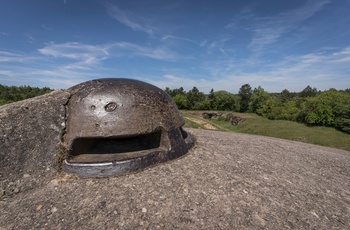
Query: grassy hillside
[{"x": 274, "y": 128}]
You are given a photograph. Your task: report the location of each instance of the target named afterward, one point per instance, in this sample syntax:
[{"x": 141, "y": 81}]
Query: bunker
[
  {"x": 229, "y": 181},
  {"x": 116, "y": 125}
]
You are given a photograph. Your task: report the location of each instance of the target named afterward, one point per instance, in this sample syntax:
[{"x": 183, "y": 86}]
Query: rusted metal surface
[{"x": 121, "y": 125}]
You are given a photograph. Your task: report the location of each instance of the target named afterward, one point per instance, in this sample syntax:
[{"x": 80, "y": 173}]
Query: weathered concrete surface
[
  {"x": 30, "y": 132},
  {"x": 228, "y": 181}
]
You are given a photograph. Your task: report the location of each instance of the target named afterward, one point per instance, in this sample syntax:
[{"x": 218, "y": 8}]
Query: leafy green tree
[
  {"x": 194, "y": 98},
  {"x": 308, "y": 92},
  {"x": 268, "y": 108},
  {"x": 224, "y": 101},
  {"x": 286, "y": 95},
  {"x": 174, "y": 92},
  {"x": 317, "y": 112},
  {"x": 168, "y": 91},
  {"x": 245, "y": 93},
  {"x": 10, "y": 94},
  {"x": 343, "y": 122},
  {"x": 289, "y": 111},
  {"x": 180, "y": 101},
  {"x": 258, "y": 99},
  {"x": 211, "y": 99},
  {"x": 327, "y": 108},
  {"x": 204, "y": 105}
]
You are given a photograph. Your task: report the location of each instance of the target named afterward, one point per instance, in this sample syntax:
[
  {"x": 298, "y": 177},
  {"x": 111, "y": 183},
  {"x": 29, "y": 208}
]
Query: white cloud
[
  {"x": 128, "y": 19},
  {"x": 344, "y": 52},
  {"x": 88, "y": 55},
  {"x": 268, "y": 30},
  {"x": 322, "y": 70},
  {"x": 169, "y": 37},
  {"x": 130, "y": 49},
  {"x": 30, "y": 39},
  {"x": 245, "y": 14},
  {"x": 14, "y": 57},
  {"x": 66, "y": 64},
  {"x": 74, "y": 50},
  {"x": 46, "y": 27},
  {"x": 84, "y": 55}
]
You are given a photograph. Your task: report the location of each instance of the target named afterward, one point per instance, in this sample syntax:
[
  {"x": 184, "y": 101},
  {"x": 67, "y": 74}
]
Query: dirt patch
[{"x": 203, "y": 123}]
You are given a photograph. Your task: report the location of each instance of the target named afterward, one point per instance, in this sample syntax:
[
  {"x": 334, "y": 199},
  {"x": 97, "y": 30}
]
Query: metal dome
[{"x": 120, "y": 125}]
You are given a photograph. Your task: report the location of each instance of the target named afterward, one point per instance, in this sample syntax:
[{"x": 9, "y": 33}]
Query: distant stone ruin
[{"x": 234, "y": 120}]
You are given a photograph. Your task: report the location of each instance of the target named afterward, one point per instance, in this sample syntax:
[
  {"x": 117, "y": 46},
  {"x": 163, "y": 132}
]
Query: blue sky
[{"x": 276, "y": 44}]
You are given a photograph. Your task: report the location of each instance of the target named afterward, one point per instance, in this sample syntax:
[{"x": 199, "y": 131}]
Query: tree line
[
  {"x": 9, "y": 94},
  {"x": 310, "y": 106}
]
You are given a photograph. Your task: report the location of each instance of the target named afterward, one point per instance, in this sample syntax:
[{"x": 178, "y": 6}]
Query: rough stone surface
[
  {"x": 30, "y": 131},
  {"x": 228, "y": 181}
]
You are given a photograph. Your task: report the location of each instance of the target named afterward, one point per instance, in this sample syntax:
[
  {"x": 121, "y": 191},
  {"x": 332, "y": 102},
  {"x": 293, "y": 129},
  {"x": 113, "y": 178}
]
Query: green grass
[{"x": 255, "y": 124}]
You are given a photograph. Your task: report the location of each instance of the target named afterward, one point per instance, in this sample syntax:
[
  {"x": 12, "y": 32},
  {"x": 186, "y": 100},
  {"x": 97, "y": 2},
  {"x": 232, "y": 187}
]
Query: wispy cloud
[
  {"x": 268, "y": 30},
  {"x": 66, "y": 64},
  {"x": 128, "y": 19},
  {"x": 245, "y": 14},
  {"x": 73, "y": 62},
  {"x": 46, "y": 27},
  {"x": 15, "y": 57},
  {"x": 30, "y": 39},
  {"x": 170, "y": 37},
  {"x": 85, "y": 55},
  {"x": 130, "y": 49},
  {"x": 88, "y": 55},
  {"x": 322, "y": 70}
]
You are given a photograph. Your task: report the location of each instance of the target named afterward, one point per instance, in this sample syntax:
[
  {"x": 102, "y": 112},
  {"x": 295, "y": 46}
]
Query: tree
[
  {"x": 308, "y": 92},
  {"x": 194, "y": 98},
  {"x": 180, "y": 101},
  {"x": 343, "y": 122},
  {"x": 175, "y": 92},
  {"x": 211, "y": 99},
  {"x": 224, "y": 101},
  {"x": 258, "y": 99},
  {"x": 317, "y": 112},
  {"x": 168, "y": 91},
  {"x": 245, "y": 93},
  {"x": 285, "y": 95},
  {"x": 327, "y": 108},
  {"x": 10, "y": 94},
  {"x": 267, "y": 109}
]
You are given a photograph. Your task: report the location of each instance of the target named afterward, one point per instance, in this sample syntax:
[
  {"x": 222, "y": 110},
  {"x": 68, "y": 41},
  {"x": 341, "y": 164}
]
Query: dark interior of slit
[{"x": 115, "y": 144}]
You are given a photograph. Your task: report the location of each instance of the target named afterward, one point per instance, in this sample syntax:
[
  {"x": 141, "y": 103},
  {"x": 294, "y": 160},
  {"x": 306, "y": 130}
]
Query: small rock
[
  {"x": 53, "y": 210},
  {"x": 144, "y": 210},
  {"x": 26, "y": 175}
]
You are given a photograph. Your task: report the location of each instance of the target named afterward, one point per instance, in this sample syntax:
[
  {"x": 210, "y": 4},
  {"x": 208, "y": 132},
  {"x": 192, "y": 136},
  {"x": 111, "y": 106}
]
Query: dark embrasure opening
[{"x": 96, "y": 150}]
